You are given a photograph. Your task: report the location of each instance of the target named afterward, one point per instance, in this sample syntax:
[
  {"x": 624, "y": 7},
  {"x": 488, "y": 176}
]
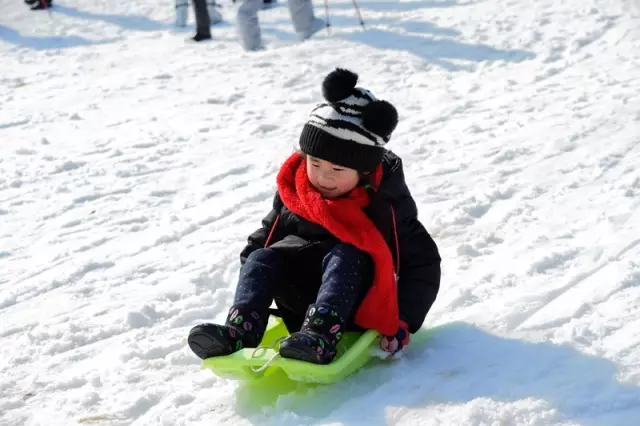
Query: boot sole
[{"x": 205, "y": 346}]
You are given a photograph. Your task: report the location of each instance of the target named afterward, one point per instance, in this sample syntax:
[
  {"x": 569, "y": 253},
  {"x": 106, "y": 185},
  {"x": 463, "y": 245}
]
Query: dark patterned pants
[{"x": 339, "y": 278}]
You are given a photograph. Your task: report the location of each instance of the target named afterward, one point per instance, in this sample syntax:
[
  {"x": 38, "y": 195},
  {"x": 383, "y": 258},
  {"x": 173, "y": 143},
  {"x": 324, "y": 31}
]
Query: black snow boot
[
  {"x": 41, "y": 4},
  {"x": 200, "y": 37},
  {"x": 244, "y": 328},
  {"x": 203, "y": 22},
  {"x": 317, "y": 339}
]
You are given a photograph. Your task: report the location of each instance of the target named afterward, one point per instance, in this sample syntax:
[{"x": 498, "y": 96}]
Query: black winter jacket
[{"x": 419, "y": 263}]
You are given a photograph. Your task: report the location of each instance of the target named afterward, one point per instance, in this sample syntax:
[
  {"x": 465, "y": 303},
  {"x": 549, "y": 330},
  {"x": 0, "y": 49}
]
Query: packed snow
[{"x": 133, "y": 165}]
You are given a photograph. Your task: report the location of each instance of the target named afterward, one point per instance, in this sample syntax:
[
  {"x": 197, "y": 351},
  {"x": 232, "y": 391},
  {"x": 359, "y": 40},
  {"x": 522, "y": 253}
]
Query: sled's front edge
[
  {"x": 354, "y": 351},
  {"x": 239, "y": 365},
  {"x": 353, "y": 355}
]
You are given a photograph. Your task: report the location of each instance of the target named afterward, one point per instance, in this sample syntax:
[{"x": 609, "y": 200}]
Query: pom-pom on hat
[{"x": 352, "y": 127}]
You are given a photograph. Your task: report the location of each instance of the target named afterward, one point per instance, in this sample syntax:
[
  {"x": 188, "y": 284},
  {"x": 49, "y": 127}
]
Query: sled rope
[
  {"x": 264, "y": 348},
  {"x": 273, "y": 228},
  {"x": 266, "y": 364},
  {"x": 395, "y": 233}
]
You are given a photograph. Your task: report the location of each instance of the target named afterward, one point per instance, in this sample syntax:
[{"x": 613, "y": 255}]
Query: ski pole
[
  {"x": 326, "y": 16},
  {"x": 355, "y": 5}
]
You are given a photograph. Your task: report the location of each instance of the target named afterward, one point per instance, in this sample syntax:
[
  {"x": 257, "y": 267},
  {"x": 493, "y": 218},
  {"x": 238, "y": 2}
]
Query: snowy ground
[{"x": 134, "y": 165}]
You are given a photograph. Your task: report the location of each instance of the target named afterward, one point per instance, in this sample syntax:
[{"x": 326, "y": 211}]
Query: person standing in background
[{"x": 206, "y": 14}]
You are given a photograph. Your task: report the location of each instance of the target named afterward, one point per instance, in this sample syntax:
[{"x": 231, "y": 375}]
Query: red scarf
[{"x": 345, "y": 219}]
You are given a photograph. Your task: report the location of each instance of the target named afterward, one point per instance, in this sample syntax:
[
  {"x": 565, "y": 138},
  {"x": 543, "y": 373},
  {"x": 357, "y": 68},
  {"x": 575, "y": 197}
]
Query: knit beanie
[{"x": 352, "y": 127}]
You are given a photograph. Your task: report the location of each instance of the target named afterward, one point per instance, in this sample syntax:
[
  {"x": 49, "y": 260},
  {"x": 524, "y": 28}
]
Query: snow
[{"x": 133, "y": 166}]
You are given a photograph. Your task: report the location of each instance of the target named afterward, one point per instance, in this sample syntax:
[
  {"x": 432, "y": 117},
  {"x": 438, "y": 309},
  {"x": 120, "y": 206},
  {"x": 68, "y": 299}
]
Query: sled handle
[{"x": 264, "y": 348}]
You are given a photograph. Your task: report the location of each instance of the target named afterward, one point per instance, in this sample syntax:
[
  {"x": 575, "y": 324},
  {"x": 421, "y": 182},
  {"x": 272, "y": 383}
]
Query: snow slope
[{"x": 133, "y": 165}]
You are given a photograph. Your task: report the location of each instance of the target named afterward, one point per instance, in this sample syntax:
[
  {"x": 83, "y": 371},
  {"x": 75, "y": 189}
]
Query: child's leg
[
  {"x": 248, "y": 317},
  {"x": 203, "y": 21},
  {"x": 304, "y": 21},
  {"x": 249, "y": 25},
  {"x": 347, "y": 274},
  {"x": 214, "y": 13}
]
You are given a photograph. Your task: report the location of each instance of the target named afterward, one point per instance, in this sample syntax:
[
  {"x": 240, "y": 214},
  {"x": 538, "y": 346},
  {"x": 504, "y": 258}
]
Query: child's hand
[{"x": 398, "y": 342}]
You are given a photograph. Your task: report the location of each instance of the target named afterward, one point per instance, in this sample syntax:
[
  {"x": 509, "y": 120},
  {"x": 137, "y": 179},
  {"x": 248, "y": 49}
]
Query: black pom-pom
[
  {"x": 380, "y": 117},
  {"x": 339, "y": 84}
]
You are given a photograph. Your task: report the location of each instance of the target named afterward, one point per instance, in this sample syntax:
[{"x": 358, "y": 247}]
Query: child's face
[{"x": 331, "y": 180}]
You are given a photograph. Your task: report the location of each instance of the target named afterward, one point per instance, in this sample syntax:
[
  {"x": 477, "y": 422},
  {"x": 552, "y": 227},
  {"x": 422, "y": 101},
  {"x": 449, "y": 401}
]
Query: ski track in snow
[{"x": 133, "y": 166}]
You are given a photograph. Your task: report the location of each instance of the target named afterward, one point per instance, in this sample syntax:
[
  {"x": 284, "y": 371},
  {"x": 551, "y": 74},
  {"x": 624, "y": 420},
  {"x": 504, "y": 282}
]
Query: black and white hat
[{"x": 352, "y": 128}]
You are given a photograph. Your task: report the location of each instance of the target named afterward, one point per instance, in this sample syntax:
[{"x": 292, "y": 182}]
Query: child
[
  {"x": 342, "y": 248},
  {"x": 206, "y": 13}
]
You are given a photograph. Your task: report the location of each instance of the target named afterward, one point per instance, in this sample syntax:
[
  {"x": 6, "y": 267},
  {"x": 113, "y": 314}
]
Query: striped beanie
[{"x": 352, "y": 127}]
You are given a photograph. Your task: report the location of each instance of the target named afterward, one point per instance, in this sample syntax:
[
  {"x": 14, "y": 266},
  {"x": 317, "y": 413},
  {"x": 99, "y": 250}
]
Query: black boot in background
[
  {"x": 203, "y": 22},
  {"x": 40, "y": 4}
]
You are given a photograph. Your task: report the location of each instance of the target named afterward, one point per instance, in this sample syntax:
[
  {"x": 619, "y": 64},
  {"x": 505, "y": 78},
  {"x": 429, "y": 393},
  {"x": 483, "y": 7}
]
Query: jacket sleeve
[
  {"x": 419, "y": 278},
  {"x": 258, "y": 239}
]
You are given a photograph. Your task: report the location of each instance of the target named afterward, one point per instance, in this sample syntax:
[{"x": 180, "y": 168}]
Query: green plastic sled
[{"x": 354, "y": 351}]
